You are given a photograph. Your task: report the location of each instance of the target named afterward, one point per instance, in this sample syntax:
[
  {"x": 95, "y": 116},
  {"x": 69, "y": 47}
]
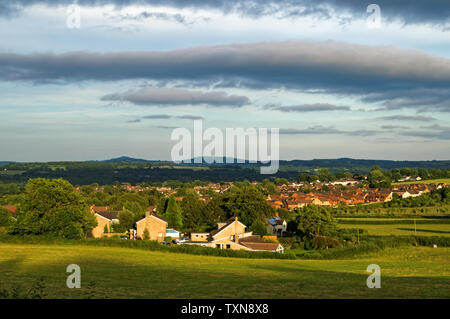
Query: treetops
[{"x": 52, "y": 207}]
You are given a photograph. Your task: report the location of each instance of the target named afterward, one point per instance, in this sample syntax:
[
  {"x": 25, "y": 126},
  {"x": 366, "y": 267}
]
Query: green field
[
  {"x": 427, "y": 181},
  {"x": 400, "y": 228},
  {"x": 375, "y": 210},
  {"x": 110, "y": 272}
]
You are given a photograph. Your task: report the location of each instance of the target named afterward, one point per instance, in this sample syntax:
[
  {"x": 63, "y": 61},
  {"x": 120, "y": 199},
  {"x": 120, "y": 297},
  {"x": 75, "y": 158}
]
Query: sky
[{"x": 337, "y": 78}]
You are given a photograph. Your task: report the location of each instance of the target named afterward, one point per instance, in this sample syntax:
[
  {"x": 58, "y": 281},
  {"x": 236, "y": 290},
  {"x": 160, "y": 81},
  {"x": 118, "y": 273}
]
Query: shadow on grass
[{"x": 103, "y": 277}]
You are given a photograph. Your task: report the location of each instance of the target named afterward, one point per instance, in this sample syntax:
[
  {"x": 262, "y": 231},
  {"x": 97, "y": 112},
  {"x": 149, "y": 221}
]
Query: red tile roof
[
  {"x": 11, "y": 209},
  {"x": 99, "y": 209}
]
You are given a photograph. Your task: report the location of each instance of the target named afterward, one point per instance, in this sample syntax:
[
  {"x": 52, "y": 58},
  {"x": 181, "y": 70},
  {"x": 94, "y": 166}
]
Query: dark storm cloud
[
  {"x": 430, "y": 11},
  {"x": 176, "y": 96},
  {"x": 317, "y": 107},
  {"x": 389, "y": 76}
]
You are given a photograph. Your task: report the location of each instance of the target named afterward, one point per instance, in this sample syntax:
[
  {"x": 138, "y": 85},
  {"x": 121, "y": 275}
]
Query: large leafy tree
[
  {"x": 215, "y": 210},
  {"x": 377, "y": 178},
  {"x": 194, "y": 212},
  {"x": 127, "y": 219},
  {"x": 259, "y": 228},
  {"x": 247, "y": 203},
  {"x": 53, "y": 207},
  {"x": 325, "y": 175},
  {"x": 173, "y": 213},
  {"x": 132, "y": 201},
  {"x": 315, "y": 221},
  {"x": 162, "y": 206}
]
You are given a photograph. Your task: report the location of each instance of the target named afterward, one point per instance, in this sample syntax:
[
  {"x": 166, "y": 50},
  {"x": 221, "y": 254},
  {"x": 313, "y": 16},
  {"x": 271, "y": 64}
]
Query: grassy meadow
[
  {"x": 112, "y": 272},
  {"x": 427, "y": 181},
  {"x": 422, "y": 228}
]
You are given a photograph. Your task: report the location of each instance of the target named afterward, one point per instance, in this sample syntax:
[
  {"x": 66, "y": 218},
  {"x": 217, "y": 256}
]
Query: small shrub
[
  {"x": 17, "y": 291},
  {"x": 322, "y": 242},
  {"x": 146, "y": 234}
]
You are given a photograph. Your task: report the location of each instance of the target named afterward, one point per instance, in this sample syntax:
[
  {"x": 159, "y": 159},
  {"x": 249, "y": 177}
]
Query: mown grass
[
  {"x": 402, "y": 229},
  {"x": 113, "y": 272},
  {"x": 427, "y": 181}
]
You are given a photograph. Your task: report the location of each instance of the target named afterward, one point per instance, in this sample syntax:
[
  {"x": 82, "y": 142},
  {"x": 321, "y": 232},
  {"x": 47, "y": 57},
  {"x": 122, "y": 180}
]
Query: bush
[
  {"x": 145, "y": 235},
  {"x": 351, "y": 234},
  {"x": 259, "y": 228},
  {"x": 5, "y": 217},
  {"x": 321, "y": 242},
  {"x": 429, "y": 241},
  {"x": 291, "y": 242},
  {"x": 368, "y": 244},
  {"x": 16, "y": 291}
]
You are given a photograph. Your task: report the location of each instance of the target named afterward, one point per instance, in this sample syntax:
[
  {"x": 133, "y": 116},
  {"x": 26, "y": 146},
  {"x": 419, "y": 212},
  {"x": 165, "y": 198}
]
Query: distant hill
[
  {"x": 336, "y": 164},
  {"x": 4, "y": 163},
  {"x": 126, "y": 169},
  {"x": 126, "y": 159},
  {"x": 343, "y": 162},
  {"x": 364, "y": 164},
  {"x": 215, "y": 160}
]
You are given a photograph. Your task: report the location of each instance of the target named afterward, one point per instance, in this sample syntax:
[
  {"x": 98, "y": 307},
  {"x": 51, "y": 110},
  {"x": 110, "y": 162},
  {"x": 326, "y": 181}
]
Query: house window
[
  {"x": 228, "y": 246},
  {"x": 218, "y": 245},
  {"x": 160, "y": 234}
]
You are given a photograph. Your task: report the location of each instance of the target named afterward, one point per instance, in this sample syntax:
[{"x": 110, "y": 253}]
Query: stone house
[
  {"x": 233, "y": 235},
  {"x": 155, "y": 225},
  {"x": 105, "y": 220}
]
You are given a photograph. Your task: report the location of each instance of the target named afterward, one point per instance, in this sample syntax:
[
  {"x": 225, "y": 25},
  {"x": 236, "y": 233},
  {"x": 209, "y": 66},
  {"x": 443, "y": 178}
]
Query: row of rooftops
[{"x": 335, "y": 196}]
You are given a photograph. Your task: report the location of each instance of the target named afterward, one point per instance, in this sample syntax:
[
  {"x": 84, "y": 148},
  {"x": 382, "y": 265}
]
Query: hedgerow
[{"x": 146, "y": 245}]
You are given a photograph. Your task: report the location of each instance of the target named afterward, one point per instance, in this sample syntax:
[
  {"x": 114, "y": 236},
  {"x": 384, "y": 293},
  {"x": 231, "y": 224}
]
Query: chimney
[
  {"x": 276, "y": 214},
  {"x": 147, "y": 213}
]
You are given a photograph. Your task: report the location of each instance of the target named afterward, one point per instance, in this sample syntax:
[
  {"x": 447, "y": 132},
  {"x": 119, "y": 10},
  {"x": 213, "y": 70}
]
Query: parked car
[
  {"x": 165, "y": 243},
  {"x": 124, "y": 237},
  {"x": 183, "y": 240}
]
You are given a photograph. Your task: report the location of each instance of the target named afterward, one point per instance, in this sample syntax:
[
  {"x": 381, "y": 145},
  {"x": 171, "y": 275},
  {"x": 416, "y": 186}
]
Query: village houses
[{"x": 232, "y": 234}]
